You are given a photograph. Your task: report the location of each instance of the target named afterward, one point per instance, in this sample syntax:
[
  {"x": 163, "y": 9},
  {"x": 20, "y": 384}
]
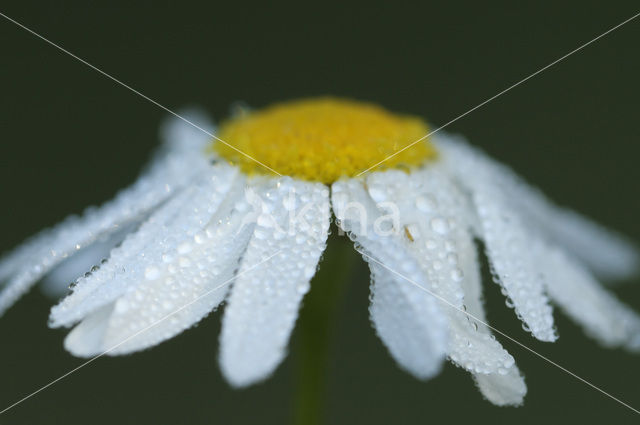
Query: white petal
[
  {"x": 428, "y": 218},
  {"x": 603, "y": 317},
  {"x": 171, "y": 170},
  {"x": 290, "y": 233},
  {"x": 403, "y": 310},
  {"x": 400, "y": 313},
  {"x": 191, "y": 137},
  {"x": 494, "y": 369},
  {"x": 56, "y": 283},
  {"x": 503, "y": 390},
  {"x": 504, "y": 386},
  {"x": 608, "y": 254},
  {"x": 507, "y": 241},
  {"x": 447, "y": 256},
  {"x": 152, "y": 246},
  {"x": 89, "y": 333},
  {"x": 171, "y": 296},
  {"x": 166, "y": 276},
  {"x": 104, "y": 285}
]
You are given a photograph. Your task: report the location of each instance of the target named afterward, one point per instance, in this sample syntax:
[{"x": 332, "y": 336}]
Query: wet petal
[
  {"x": 507, "y": 240},
  {"x": 181, "y": 274},
  {"x": 406, "y": 315},
  {"x": 503, "y": 390},
  {"x": 292, "y": 226},
  {"x": 437, "y": 227},
  {"x": 56, "y": 283},
  {"x": 171, "y": 170},
  {"x": 608, "y": 254},
  {"x": 600, "y": 313},
  {"x": 155, "y": 244}
]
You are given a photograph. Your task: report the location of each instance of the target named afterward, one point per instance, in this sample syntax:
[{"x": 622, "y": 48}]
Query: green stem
[{"x": 314, "y": 328}]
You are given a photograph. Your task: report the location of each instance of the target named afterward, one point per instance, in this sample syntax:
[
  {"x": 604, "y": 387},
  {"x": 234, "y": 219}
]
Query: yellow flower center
[{"x": 323, "y": 139}]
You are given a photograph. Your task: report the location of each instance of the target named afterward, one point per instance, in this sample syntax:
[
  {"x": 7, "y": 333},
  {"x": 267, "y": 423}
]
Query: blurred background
[{"x": 71, "y": 138}]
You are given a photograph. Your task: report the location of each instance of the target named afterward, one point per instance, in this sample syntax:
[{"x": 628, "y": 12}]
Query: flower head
[
  {"x": 322, "y": 139},
  {"x": 205, "y": 225}
]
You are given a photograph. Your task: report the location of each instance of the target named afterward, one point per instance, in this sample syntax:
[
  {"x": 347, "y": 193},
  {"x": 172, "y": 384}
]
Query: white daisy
[{"x": 205, "y": 225}]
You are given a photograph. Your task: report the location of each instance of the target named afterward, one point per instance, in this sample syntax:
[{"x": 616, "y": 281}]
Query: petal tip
[{"x": 503, "y": 390}]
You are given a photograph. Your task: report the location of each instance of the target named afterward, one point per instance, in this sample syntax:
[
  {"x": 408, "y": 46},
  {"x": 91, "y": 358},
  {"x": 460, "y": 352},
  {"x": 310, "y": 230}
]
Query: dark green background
[{"x": 70, "y": 138}]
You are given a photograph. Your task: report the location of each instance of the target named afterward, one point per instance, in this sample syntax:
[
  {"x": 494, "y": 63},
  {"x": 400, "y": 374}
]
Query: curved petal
[
  {"x": 403, "y": 309},
  {"x": 177, "y": 221},
  {"x": 506, "y": 239},
  {"x": 503, "y": 390},
  {"x": 437, "y": 226},
  {"x": 292, "y": 225},
  {"x": 56, "y": 283},
  {"x": 601, "y": 315},
  {"x": 504, "y": 386},
  {"x": 175, "y": 280},
  {"x": 171, "y": 170},
  {"x": 607, "y": 253}
]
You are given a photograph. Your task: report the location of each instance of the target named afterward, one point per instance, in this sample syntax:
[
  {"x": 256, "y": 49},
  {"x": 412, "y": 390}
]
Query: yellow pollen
[{"x": 323, "y": 139}]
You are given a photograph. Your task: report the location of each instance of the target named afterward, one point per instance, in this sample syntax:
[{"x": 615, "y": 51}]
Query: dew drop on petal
[
  {"x": 425, "y": 204},
  {"x": 303, "y": 288},
  {"x": 151, "y": 273},
  {"x": 439, "y": 225},
  {"x": 289, "y": 203},
  {"x": 184, "y": 248},
  {"x": 377, "y": 194},
  {"x": 457, "y": 275},
  {"x": 309, "y": 272},
  {"x": 265, "y": 220}
]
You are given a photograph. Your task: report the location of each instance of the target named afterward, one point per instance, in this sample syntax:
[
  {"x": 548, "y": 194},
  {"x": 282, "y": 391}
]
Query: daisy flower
[{"x": 209, "y": 222}]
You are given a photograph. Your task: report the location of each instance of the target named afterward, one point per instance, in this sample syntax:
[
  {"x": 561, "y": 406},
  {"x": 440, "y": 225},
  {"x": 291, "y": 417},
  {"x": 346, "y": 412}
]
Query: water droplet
[
  {"x": 431, "y": 244},
  {"x": 309, "y": 272},
  {"x": 289, "y": 203},
  {"x": 303, "y": 287},
  {"x": 167, "y": 258},
  {"x": 151, "y": 273},
  {"x": 121, "y": 306},
  {"x": 439, "y": 225},
  {"x": 265, "y": 220},
  {"x": 457, "y": 275},
  {"x": 377, "y": 194},
  {"x": 184, "y": 248},
  {"x": 426, "y": 203}
]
